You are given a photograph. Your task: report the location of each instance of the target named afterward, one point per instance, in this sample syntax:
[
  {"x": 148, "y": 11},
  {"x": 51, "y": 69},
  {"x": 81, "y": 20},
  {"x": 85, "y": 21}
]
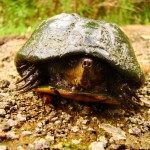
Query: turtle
[{"x": 80, "y": 59}]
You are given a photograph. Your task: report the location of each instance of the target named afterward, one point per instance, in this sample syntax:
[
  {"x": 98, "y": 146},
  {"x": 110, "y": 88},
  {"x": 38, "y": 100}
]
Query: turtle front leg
[
  {"x": 31, "y": 76},
  {"x": 126, "y": 95}
]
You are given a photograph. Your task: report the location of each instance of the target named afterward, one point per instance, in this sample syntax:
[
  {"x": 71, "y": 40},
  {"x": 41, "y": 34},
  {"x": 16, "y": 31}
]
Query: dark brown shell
[{"x": 69, "y": 34}]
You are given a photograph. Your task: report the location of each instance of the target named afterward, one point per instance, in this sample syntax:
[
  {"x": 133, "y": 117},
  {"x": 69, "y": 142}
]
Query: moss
[{"x": 92, "y": 24}]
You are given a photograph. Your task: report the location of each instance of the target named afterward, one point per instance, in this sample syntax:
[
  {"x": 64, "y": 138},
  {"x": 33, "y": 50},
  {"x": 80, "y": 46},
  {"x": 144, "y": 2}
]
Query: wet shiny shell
[{"x": 70, "y": 34}]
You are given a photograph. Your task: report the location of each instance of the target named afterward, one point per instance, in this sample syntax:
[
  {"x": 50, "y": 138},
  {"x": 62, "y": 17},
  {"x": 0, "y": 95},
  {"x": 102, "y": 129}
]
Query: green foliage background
[{"x": 21, "y": 16}]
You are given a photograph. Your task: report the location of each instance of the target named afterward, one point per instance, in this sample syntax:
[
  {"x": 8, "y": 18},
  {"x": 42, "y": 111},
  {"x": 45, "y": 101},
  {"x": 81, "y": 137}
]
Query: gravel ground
[{"x": 27, "y": 123}]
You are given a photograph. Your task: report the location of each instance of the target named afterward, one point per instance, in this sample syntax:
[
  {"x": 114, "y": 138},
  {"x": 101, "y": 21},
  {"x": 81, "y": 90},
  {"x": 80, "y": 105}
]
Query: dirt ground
[{"x": 27, "y": 123}]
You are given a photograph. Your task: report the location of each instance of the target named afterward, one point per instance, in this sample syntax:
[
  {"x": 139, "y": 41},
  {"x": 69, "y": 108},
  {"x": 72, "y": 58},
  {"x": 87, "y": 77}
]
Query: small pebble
[
  {"x": 86, "y": 110},
  {"x": 103, "y": 140},
  {"x": 76, "y": 141},
  {"x": 111, "y": 141},
  {"x": 148, "y": 112},
  {"x": 4, "y": 105},
  {"x": 5, "y": 127},
  {"x": 133, "y": 120},
  {"x": 11, "y": 122},
  {"x": 75, "y": 129},
  {"x": 135, "y": 131},
  {"x": 49, "y": 138},
  {"x": 12, "y": 102},
  {"x": 20, "y": 148},
  {"x": 2, "y": 112},
  {"x": 85, "y": 121},
  {"x": 3, "y": 147},
  {"x": 57, "y": 122},
  {"x": 117, "y": 133},
  {"x": 41, "y": 144},
  {"x": 96, "y": 146},
  {"x": 38, "y": 130},
  {"x": 91, "y": 130},
  {"x": 12, "y": 135},
  {"x": 3, "y": 136},
  {"x": 30, "y": 147},
  {"x": 40, "y": 125},
  {"x": 54, "y": 119},
  {"x": 26, "y": 133},
  {"x": 4, "y": 84},
  {"x": 21, "y": 118},
  {"x": 117, "y": 147}
]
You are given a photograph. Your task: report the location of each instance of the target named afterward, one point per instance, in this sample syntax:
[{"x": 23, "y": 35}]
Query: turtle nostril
[{"x": 87, "y": 63}]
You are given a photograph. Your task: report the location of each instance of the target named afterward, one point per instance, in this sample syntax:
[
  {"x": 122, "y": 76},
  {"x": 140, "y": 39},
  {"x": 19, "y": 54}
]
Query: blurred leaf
[{"x": 21, "y": 16}]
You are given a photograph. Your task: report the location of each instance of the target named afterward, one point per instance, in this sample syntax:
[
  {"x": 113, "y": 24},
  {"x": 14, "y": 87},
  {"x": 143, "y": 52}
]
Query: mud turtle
[{"x": 81, "y": 59}]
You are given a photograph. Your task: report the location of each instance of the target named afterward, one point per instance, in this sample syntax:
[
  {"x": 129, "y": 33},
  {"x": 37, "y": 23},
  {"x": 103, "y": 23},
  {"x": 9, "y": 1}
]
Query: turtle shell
[{"x": 70, "y": 34}]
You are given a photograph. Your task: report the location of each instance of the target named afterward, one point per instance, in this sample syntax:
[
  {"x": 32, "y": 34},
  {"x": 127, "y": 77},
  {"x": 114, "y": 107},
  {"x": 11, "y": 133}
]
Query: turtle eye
[{"x": 87, "y": 63}]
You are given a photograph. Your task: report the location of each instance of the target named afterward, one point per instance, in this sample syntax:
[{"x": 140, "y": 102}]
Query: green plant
[{"x": 21, "y": 16}]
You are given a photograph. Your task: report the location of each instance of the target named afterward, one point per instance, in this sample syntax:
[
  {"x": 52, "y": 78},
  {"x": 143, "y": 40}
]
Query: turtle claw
[
  {"x": 126, "y": 95},
  {"x": 32, "y": 86},
  {"x": 132, "y": 93},
  {"x": 129, "y": 93},
  {"x": 24, "y": 86},
  {"x": 31, "y": 78},
  {"x": 22, "y": 66},
  {"x": 29, "y": 71}
]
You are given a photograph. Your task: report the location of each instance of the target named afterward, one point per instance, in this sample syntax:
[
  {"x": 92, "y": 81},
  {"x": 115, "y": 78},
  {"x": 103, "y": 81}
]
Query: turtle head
[{"x": 85, "y": 73}]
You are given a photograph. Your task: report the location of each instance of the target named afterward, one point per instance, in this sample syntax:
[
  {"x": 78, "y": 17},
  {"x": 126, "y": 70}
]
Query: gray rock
[
  {"x": 4, "y": 84},
  {"x": 148, "y": 112},
  {"x": 86, "y": 110},
  {"x": 66, "y": 116},
  {"x": 135, "y": 131},
  {"x": 26, "y": 133},
  {"x": 117, "y": 133},
  {"x": 49, "y": 138},
  {"x": 76, "y": 141},
  {"x": 91, "y": 129},
  {"x": 3, "y": 147},
  {"x": 4, "y": 127},
  {"x": 4, "y": 105},
  {"x": 12, "y": 135},
  {"x": 54, "y": 119},
  {"x": 2, "y": 112},
  {"x": 21, "y": 118},
  {"x": 103, "y": 140},
  {"x": 96, "y": 146},
  {"x": 117, "y": 147},
  {"x": 20, "y": 148},
  {"x": 30, "y": 147},
  {"x": 133, "y": 120},
  {"x": 38, "y": 130},
  {"x": 57, "y": 122},
  {"x": 85, "y": 121},
  {"x": 111, "y": 141},
  {"x": 41, "y": 144},
  {"x": 8, "y": 124},
  {"x": 75, "y": 129},
  {"x": 12, "y": 102},
  {"x": 11, "y": 122},
  {"x": 7, "y": 116},
  {"x": 40, "y": 125}
]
